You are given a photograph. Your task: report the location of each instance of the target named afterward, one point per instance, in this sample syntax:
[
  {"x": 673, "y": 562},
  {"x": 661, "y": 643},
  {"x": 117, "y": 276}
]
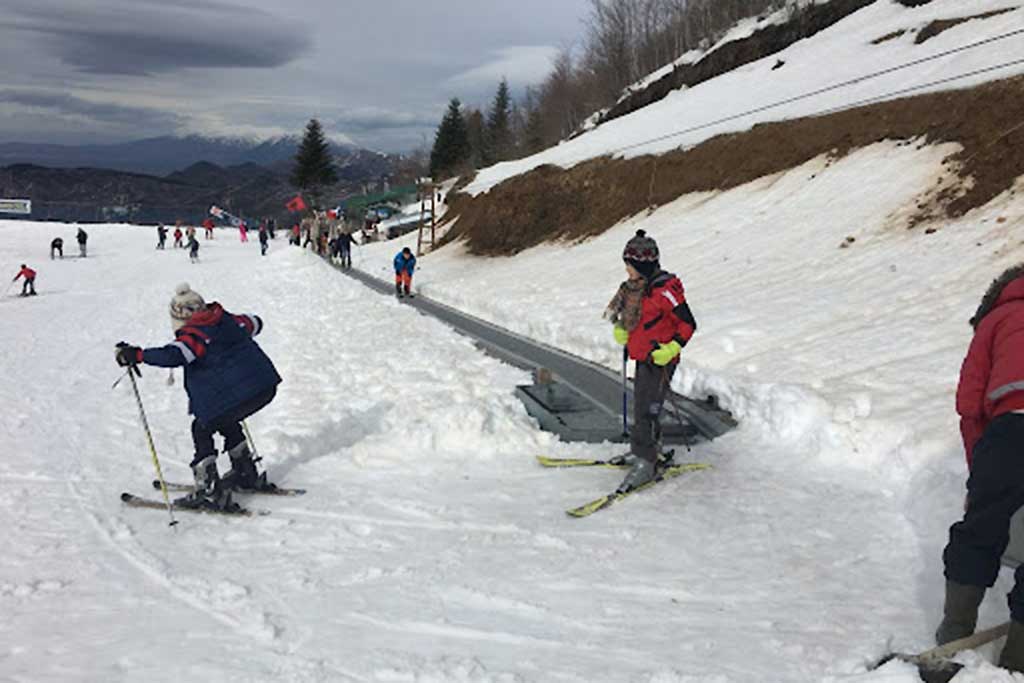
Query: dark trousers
[
  {"x": 228, "y": 425},
  {"x": 995, "y": 491},
  {"x": 29, "y": 286},
  {"x": 263, "y": 247},
  {"x": 56, "y": 250},
  {"x": 650, "y": 386},
  {"x": 346, "y": 256}
]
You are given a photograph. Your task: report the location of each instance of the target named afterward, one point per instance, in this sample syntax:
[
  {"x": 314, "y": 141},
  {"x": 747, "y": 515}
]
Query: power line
[{"x": 837, "y": 86}]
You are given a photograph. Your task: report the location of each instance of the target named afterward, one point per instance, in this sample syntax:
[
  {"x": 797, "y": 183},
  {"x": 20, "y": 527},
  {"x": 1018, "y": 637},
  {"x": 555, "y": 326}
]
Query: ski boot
[
  {"x": 243, "y": 475},
  {"x": 665, "y": 459},
  {"x": 642, "y": 472},
  {"x": 209, "y": 493},
  {"x": 398, "y": 290}
]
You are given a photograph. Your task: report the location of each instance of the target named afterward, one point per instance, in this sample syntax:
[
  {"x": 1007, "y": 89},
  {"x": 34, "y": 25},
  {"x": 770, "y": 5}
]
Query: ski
[
  {"x": 134, "y": 501},
  {"x": 619, "y": 462},
  {"x": 271, "y": 490},
  {"x": 616, "y": 463},
  {"x": 608, "y": 500}
]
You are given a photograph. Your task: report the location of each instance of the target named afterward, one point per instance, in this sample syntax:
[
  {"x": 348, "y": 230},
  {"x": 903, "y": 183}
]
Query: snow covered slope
[{"x": 841, "y": 53}]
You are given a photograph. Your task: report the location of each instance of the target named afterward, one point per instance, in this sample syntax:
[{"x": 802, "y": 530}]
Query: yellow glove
[
  {"x": 621, "y": 335},
  {"x": 665, "y": 353}
]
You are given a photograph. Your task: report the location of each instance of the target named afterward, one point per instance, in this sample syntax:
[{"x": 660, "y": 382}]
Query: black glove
[{"x": 127, "y": 355}]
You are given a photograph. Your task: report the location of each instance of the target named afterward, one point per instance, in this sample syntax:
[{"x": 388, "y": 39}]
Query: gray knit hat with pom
[{"x": 184, "y": 304}]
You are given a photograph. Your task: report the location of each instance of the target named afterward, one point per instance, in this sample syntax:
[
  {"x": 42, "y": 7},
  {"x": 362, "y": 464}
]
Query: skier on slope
[
  {"x": 990, "y": 402},
  {"x": 29, "y": 288},
  {"x": 228, "y": 377},
  {"x": 193, "y": 248},
  {"x": 57, "y": 247},
  {"x": 405, "y": 265},
  {"x": 161, "y": 236},
  {"x": 178, "y": 234},
  {"x": 263, "y": 235},
  {"x": 654, "y": 322},
  {"x": 82, "y": 236}
]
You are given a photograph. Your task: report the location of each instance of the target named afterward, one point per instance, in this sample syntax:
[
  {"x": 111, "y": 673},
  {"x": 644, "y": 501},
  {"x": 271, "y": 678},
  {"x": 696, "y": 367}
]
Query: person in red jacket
[
  {"x": 29, "y": 288},
  {"x": 654, "y": 325},
  {"x": 990, "y": 402},
  {"x": 208, "y": 226},
  {"x": 178, "y": 234}
]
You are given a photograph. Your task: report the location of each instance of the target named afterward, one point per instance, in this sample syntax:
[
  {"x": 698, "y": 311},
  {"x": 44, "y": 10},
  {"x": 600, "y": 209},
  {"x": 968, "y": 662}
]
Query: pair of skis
[
  {"x": 132, "y": 500},
  {"x": 667, "y": 470}
]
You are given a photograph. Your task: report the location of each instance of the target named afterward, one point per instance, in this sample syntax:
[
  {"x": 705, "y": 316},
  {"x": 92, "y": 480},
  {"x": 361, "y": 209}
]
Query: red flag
[
  {"x": 332, "y": 214},
  {"x": 296, "y": 204}
]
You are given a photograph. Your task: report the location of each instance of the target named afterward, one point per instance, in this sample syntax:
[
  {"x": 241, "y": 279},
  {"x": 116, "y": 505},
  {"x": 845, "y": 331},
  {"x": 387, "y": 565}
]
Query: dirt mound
[{"x": 553, "y": 203}]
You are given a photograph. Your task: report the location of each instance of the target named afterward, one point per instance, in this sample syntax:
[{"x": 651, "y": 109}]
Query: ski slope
[
  {"x": 430, "y": 546},
  {"x": 840, "y": 54}
]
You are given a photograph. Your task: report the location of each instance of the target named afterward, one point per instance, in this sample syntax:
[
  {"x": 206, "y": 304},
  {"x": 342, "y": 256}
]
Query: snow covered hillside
[{"x": 842, "y": 53}]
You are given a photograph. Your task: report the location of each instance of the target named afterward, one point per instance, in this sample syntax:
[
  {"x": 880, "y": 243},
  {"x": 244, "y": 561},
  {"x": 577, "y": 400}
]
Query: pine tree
[
  {"x": 499, "y": 126},
  {"x": 451, "y": 143},
  {"x": 314, "y": 167},
  {"x": 476, "y": 134}
]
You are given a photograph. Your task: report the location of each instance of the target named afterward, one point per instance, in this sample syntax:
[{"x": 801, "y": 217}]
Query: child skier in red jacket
[
  {"x": 29, "y": 288},
  {"x": 990, "y": 401},
  {"x": 654, "y": 323}
]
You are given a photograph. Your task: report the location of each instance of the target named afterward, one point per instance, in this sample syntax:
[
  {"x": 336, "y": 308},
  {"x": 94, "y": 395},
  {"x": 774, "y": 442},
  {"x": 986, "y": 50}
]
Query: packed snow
[{"x": 847, "y": 50}]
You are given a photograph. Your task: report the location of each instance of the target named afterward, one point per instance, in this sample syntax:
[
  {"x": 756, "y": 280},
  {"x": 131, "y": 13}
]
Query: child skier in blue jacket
[
  {"x": 405, "y": 264},
  {"x": 228, "y": 377}
]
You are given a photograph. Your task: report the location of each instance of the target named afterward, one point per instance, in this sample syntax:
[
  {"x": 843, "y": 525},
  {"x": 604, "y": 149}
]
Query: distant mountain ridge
[{"x": 165, "y": 154}]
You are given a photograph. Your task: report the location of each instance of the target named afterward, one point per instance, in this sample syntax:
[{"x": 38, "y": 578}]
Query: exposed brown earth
[
  {"x": 941, "y": 25},
  {"x": 888, "y": 36},
  {"x": 552, "y": 203}
]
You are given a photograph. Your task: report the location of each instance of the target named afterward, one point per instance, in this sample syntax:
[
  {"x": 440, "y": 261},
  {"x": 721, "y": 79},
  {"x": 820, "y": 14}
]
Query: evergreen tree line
[{"x": 624, "y": 41}]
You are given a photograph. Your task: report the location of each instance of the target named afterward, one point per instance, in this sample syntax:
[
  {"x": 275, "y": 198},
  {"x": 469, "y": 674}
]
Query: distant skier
[
  {"x": 263, "y": 235},
  {"x": 654, "y": 322},
  {"x": 344, "y": 242},
  {"x": 405, "y": 265},
  {"x": 243, "y": 232},
  {"x": 990, "y": 402},
  {"x": 29, "y": 287},
  {"x": 296, "y": 235},
  {"x": 193, "y": 248},
  {"x": 208, "y": 226},
  {"x": 82, "y": 236},
  {"x": 161, "y": 236},
  {"x": 228, "y": 377},
  {"x": 57, "y": 248},
  {"x": 178, "y": 234},
  {"x": 190, "y": 232},
  {"x": 272, "y": 228}
]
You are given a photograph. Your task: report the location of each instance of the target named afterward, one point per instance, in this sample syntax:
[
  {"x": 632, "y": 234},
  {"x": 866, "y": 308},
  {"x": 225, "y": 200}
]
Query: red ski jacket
[
  {"x": 992, "y": 374},
  {"x": 664, "y": 316},
  {"x": 27, "y": 272}
]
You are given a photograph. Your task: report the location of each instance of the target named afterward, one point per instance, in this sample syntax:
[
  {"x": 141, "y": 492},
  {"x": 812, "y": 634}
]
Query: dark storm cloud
[
  {"x": 101, "y": 112},
  {"x": 373, "y": 118},
  {"x": 132, "y": 37}
]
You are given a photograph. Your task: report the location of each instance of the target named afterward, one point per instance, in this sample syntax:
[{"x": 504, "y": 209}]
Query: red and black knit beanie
[{"x": 641, "y": 252}]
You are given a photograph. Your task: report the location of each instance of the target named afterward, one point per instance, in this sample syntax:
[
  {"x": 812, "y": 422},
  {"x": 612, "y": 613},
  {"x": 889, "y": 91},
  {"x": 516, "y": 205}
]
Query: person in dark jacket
[
  {"x": 228, "y": 377},
  {"x": 990, "y": 402},
  {"x": 161, "y": 237},
  {"x": 654, "y": 325},
  {"x": 405, "y": 266},
  {"x": 57, "y": 247},
  {"x": 344, "y": 241},
  {"x": 82, "y": 236},
  {"x": 263, "y": 235},
  {"x": 193, "y": 248},
  {"x": 29, "y": 288}
]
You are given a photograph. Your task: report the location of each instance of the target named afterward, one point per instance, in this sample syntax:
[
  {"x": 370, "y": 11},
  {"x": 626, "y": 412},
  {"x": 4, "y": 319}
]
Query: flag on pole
[{"x": 296, "y": 204}]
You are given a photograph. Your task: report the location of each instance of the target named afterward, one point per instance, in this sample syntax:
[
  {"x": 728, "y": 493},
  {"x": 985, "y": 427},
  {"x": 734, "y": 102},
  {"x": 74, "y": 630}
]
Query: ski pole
[
  {"x": 676, "y": 411},
  {"x": 252, "y": 445},
  {"x": 625, "y": 391},
  {"x": 9, "y": 285},
  {"x": 132, "y": 371}
]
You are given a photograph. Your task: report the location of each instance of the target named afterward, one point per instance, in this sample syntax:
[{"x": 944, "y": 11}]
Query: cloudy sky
[{"x": 377, "y": 72}]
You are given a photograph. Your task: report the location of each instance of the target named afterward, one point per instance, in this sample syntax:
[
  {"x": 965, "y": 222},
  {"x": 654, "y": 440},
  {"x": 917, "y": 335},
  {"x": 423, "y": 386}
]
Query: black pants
[
  {"x": 56, "y": 250},
  {"x": 263, "y": 247},
  {"x": 228, "y": 425},
  {"x": 29, "y": 286},
  {"x": 650, "y": 385},
  {"x": 346, "y": 256},
  {"x": 995, "y": 491}
]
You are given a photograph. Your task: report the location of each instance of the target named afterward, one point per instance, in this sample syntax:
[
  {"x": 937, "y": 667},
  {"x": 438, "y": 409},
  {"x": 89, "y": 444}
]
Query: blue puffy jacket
[
  {"x": 406, "y": 264},
  {"x": 224, "y": 367}
]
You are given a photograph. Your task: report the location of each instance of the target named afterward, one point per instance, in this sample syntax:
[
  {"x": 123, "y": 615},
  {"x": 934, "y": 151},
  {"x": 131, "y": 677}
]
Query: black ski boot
[
  {"x": 243, "y": 475},
  {"x": 960, "y": 613},
  {"x": 398, "y": 290},
  {"x": 1012, "y": 657},
  {"x": 209, "y": 492}
]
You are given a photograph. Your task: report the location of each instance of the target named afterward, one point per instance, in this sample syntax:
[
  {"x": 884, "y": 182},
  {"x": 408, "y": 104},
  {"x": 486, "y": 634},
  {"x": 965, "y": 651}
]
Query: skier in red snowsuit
[{"x": 29, "y": 288}]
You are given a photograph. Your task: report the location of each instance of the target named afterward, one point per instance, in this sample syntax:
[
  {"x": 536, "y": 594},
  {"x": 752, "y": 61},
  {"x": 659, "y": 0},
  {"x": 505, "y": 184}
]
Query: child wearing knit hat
[{"x": 653, "y": 321}]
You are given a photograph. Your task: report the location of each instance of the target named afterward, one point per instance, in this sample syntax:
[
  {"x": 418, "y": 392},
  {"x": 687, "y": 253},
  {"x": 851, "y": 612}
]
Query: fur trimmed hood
[{"x": 1007, "y": 286}]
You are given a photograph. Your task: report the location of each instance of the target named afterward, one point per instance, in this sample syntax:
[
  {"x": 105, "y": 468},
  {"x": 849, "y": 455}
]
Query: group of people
[
  {"x": 190, "y": 233},
  {"x": 28, "y": 287}
]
